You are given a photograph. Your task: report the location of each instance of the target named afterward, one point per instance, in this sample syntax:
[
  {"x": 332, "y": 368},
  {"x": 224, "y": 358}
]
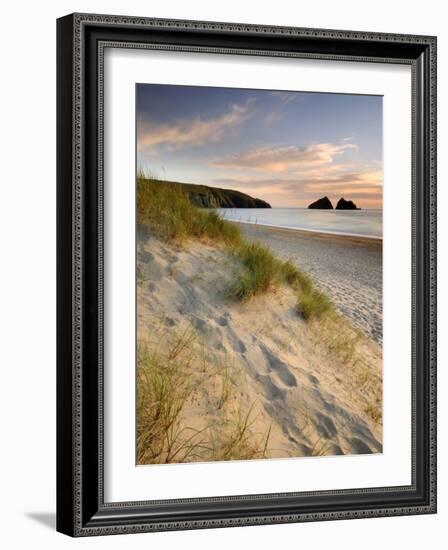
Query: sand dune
[
  {"x": 348, "y": 269},
  {"x": 255, "y": 364}
]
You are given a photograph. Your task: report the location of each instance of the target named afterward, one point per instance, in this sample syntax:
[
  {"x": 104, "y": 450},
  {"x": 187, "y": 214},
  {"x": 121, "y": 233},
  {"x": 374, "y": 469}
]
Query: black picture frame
[{"x": 81, "y": 510}]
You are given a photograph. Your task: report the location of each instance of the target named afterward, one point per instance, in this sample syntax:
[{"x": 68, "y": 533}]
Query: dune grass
[
  {"x": 163, "y": 389},
  {"x": 374, "y": 410},
  {"x": 313, "y": 304},
  {"x": 260, "y": 270},
  {"x": 295, "y": 277},
  {"x": 168, "y": 212},
  {"x": 170, "y": 381}
]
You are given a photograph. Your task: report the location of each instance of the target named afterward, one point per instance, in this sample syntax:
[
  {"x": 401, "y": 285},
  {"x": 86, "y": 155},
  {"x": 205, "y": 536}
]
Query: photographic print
[
  {"x": 225, "y": 301},
  {"x": 258, "y": 274}
]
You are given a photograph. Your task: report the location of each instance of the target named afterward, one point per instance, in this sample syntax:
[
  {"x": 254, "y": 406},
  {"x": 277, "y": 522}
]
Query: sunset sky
[{"x": 288, "y": 148}]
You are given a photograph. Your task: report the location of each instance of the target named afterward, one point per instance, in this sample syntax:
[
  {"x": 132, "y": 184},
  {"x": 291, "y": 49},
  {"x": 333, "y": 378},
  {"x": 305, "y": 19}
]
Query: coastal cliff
[{"x": 204, "y": 196}]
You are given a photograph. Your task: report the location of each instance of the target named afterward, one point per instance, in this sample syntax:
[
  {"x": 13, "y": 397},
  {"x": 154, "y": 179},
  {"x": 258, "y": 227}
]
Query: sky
[{"x": 287, "y": 148}]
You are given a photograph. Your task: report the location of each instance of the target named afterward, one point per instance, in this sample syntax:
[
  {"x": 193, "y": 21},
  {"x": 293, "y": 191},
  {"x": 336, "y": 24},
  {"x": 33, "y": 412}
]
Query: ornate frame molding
[{"x": 75, "y": 506}]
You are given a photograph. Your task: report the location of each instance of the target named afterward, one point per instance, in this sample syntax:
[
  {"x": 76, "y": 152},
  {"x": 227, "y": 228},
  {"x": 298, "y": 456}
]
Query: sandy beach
[
  {"x": 348, "y": 269},
  {"x": 259, "y": 321},
  {"x": 256, "y": 380}
]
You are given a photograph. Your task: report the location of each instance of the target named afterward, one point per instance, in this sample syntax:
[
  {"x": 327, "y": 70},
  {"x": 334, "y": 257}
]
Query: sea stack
[
  {"x": 346, "y": 205},
  {"x": 323, "y": 204}
]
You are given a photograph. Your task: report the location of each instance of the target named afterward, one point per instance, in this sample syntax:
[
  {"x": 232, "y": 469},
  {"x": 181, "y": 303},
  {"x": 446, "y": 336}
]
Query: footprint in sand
[
  {"x": 271, "y": 390},
  {"x": 363, "y": 434},
  {"x": 359, "y": 447},
  {"x": 169, "y": 257},
  {"x": 325, "y": 426},
  {"x": 181, "y": 279},
  {"x": 333, "y": 450},
  {"x": 279, "y": 367},
  {"x": 237, "y": 344},
  {"x": 313, "y": 380},
  {"x": 152, "y": 269},
  {"x": 145, "y": 256},
  {"x": 300, "y": 448},
  {"x": 199, "y": 324},
  {"x": 213, "y": 335}
]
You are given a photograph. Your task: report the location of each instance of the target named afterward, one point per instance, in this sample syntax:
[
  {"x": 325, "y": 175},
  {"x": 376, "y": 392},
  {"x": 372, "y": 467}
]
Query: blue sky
[{"x": 288, "y": 148}]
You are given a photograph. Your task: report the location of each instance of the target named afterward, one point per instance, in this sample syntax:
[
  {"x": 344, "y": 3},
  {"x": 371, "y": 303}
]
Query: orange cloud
[
  {"x": 188, "y": 133},
  {"x": 372, "y": 179},
  {"x": 365, "y": 186}
]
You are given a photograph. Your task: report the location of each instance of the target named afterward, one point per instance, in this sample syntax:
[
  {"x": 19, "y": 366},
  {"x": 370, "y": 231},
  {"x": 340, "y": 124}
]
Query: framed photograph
[{"x": 246, "y": 274}]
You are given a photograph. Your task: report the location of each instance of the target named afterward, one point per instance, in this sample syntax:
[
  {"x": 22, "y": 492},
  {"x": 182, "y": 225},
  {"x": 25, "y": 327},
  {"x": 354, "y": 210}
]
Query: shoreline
[
  {"x": 330, "y": 235},
  {"x": 348, "y": 269}
]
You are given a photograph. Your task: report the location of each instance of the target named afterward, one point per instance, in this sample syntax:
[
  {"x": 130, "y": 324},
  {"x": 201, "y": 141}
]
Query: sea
[{"x": 356, "y": 223}]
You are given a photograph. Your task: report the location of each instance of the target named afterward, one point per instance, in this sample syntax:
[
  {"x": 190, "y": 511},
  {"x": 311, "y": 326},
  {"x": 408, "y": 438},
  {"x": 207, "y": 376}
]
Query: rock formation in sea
[
  {"x": 346, "y": 205},
  {"x": 324, "y": 204}
]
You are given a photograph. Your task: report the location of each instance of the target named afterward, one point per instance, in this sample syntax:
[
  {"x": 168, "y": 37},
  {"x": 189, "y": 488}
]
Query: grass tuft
[
  {"x": 259, "y": 272},
  {"x": 162, "y": 393},
  {"x": 374, "y": 410},
  {"x": 167, "y": 383},
  {"x": 313, "y": 304},
  {"x": 295, "y": 277},
  {"x": 235, "y": 440}
]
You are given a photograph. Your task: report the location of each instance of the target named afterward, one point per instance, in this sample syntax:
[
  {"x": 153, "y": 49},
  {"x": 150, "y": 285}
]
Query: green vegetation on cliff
[{"x": 214, "y": 197}]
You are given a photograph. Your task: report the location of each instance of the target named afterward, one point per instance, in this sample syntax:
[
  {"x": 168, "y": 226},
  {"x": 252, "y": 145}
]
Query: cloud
[
  {"x": 350, "y": 181},
  {"x": 189, "y": 132},
  {"x": 273, "y": 117},
  {"x": 279, "y": 112},
  {"x": 282, "y": 159},
  {"x": 300, "y": 191},
  {"x": 360, "y": 179},
  {"x": 288, "y": 97},
  {"x": 296, "y": 175}
]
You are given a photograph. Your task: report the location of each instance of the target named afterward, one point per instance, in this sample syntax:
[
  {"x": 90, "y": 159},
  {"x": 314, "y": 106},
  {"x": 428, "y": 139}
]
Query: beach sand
[
  {"x": 261, "y": 381},
  {"x": 348, "y": 269}
]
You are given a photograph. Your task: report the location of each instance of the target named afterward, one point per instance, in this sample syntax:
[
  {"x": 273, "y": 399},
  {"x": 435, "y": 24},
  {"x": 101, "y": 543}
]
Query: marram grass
[
  {"x": 168, "y": 212},
  {"x": 313, "y": 304}
]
